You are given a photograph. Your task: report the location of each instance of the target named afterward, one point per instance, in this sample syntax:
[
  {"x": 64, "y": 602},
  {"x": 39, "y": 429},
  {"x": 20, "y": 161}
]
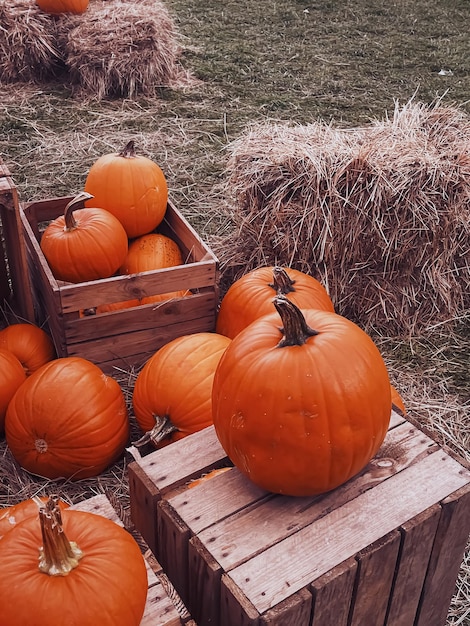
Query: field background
[{"x": 342, "y": 62}]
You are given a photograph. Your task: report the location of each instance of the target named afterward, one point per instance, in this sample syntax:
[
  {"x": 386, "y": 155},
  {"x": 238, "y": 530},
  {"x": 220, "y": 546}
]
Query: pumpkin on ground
[
  {"x": 56, "y": 7},
  {"x": 130, "y": 186},
  {"x": 172, "y": 392},
  {"x": 30, "y": 344},
  {"x": 67, "y": 420},
  {"x": 303, "y": 408},
  {"x": 84, "y": 244},
  {"x": 71, "y": 567},
  {"x": 12, "y": 515},
  {"x": 12, "y": 376},
  {"x": 251, "y": 296}
]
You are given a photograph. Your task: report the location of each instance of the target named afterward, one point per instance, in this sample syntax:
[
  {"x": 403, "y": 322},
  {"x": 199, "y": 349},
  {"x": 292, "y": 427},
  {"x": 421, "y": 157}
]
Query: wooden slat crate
[
  {"x": 385, "y": 548},
  {"x": 15, "y": 289},
  {"x": 163, "y": 607},
  {"x": 126, "y": 337}
]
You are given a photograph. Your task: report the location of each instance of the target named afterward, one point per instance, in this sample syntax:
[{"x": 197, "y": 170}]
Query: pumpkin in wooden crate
[
  {"x": 71, "y": 567},
  {"x": 84, "y": 244},
  {"x": 301, "y": 400},
  {"x": 172, "y": 392},
  {"x": 251, "y": 296},
  {"x": 132, "y": 187},
  {"x": 29, "y": 343},
  {"x": 12, "y": 515},
  {"x": 56, "y": 7},
  {"x": 12, "y": 376},
  {"x": 67, "y": 420}
]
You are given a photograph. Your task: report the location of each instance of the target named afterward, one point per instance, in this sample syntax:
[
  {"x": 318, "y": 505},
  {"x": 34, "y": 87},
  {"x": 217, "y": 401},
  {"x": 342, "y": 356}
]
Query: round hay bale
[
  {"x": 380, "y": 215},
  {"x": 28, "y": 49}
]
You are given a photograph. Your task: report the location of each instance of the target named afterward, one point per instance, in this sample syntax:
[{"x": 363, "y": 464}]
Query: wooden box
[
  {"x": 385, "y": 548},
  {"x": 126, "y": 337},
  {"x": 163, "y": 607},
  {"x": 15, "y": 290}
]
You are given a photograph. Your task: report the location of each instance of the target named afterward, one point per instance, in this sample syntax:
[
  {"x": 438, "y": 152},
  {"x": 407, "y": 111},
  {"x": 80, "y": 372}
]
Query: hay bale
[
  {"x": 28, "y": 50},
  {"x": 121, "y": 49},
  {"x": 380, "y": 215}
]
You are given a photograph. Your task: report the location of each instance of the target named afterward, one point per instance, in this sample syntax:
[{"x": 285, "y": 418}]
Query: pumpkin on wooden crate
[
  {"x": 132, "y": 187},
  {"x": 12, "y": 515},
  {"x": 67, "y": 419},
  {"x": 57, "y": 7},
  {"x": 84, "y": 244},
  {"x": 301, "y": 400},
  {"x": 172, "y": 392},
  {"x": 12, "y": 376},
  {"x": 251, "y": 296},
  {"x": 71, "y": 567},
  {"x": 29, "y": 343}
]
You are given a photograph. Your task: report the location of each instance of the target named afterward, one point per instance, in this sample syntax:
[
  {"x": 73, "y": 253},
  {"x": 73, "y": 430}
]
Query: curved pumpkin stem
[
  {"x": 129, "y": 150},
  {"x": 295, "y": 329},
  {"x": 58, "y": 556},
  {"x": 70, "y": 222},
  {"x": 163, "y": 427},
  {"x": 282, "y": 283}
]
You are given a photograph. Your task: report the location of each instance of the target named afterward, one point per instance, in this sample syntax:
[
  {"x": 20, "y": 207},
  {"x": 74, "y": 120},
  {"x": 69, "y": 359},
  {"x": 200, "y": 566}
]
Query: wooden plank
[
  {"x": 144, "y": 496},
  {"x": 204, "y": 591},
  {"x": 417, "y": 541},
  {"x": 332, "y": 595},
  {"x": 295, "y": 611},
  {"x": 346, "y": 530}
]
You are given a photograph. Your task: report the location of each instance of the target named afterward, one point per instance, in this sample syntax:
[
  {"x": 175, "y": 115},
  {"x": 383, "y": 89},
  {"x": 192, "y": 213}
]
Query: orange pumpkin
[
  {"x": 301, "y": 409},
  {"x": 251, "y": 296},
  {"x": 172, "y": 393},
  {"x": 67, "y": 420},
  {"x": 12, "y": 376},
  {"x": 130, "y": 186},
  {"x": 13, "y": 515},
  {"x": 29, "y": 343},
  {"x": 57, "y": 7},
  {"x": 84, "y": 244},
  {"x": 90, "y": 571}
]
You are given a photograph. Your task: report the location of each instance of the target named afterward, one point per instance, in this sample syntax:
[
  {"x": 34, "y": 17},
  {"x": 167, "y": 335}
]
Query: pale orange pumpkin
[
  {"x": 56, "y": 7},
  {"x": 12, "y": 376},
  {"x": 29, "y": 343}
]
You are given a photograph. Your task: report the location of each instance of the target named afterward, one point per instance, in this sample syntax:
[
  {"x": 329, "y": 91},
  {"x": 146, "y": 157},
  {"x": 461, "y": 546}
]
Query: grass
[{"x": 268, "y": 60}]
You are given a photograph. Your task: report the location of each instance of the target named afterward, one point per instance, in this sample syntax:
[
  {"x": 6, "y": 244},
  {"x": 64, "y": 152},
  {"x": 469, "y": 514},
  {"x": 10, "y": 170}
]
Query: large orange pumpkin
[
  {"x": 29, "y": 343},
  {"x": 172, "y": 393},
  {"x": 12, "y": 376},
  {"x": 12, "y": 515},
  {"x": 56, "y": 7},
  {"x": 130, "y": 186},
  {"x": 251, "y": 296},
  {"x": 67, "y": 420},
  {"x": 84, "y": 244},
  {"x": 71, "y": 567},
  {"x": 303, "y": 408}
]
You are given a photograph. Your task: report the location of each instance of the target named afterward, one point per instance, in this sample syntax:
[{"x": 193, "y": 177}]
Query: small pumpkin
[
  {"x": 29, "y": 343},
  {"x": 12, "y": 376},
  {"x": 251, "y": 296},
  {"x": 71, "y": 567},
  {"x": 130, "y": 186},
  {"x": 84, "y": 244},
  {"x": 172, "y": 392},
  {"x": 12, "y": 515},
  {"x": 67, "y": 420},
  {"x": 56, "y": 7},
  {"x": 301, "y": 406}
]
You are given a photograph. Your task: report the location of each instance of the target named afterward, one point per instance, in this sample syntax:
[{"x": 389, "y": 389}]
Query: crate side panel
[
  {"x": 204, "y": 590},
  {"x": 143, "y": 504},
  {"x": 337, "y": 583}
]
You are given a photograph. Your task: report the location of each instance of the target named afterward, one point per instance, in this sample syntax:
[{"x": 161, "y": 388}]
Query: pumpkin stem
[
  {"x": 163, "y": 427},
  {"x": 295, "y": 329},
  {"x": 129, "y": 150},
  {"x": 282, "y": 283},
  {"x": 58, "y": 556},
  {"x": 70, "y": 222}
]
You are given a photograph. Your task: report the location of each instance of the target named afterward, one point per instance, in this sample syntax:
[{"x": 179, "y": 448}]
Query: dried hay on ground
[
  {"x": 28, "y": 48},
  {"x": 381, "y": 215}
]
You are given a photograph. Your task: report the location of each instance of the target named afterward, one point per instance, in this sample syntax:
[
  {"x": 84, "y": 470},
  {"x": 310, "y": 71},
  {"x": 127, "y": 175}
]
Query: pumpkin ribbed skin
[
  {"x": 56, "y": 7},
  {"x": 12, "y": 376},
  {"x": 251, "y": 296},
  {"x": 176, "y": 382},
  {"x": 108, "y": 587},
  {"x": 30, "y": 344},
  {"x": 301, "y": 419},
  {"x": 67, "y": 420},
  {"x": 13, "y": 515}
]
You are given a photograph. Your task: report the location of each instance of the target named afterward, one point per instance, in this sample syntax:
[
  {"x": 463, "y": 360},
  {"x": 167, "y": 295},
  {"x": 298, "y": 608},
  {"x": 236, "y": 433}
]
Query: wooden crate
[
  {"x": 126, "y": 337},
  {"x": 163, "y": 607},
  {"x": 385, "y": 548},
  {"x": 15, "y": 289}
]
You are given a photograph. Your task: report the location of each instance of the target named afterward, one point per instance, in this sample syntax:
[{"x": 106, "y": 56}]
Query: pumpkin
[
  {"x": 84, "y": 244},
  {"x": 57, "y": 7},
  {"x": 67, "y": 420},
  {"x": 397, "y": 400},
  {"x": 29, "y": 343},
  {"x": 172, "y": 392},
  {"x": 12, "y": 515},
  {"x": 130, "y": 186},
  {"x": 251, "y": 296},
  {"x": 12, "y": 376},
  {"x": 303, "y": 408},
  {"x": 71, "y": 567}
]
